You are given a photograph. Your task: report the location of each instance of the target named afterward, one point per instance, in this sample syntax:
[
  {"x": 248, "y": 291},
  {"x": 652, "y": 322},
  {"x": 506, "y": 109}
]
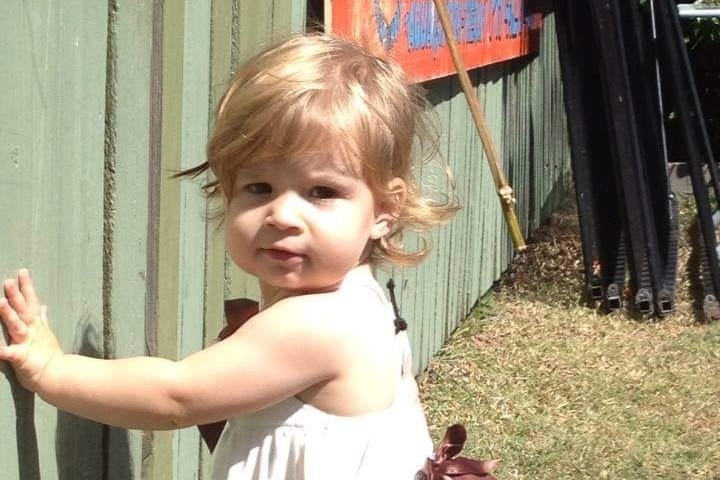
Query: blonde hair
[{"x": 313, "y": 92}]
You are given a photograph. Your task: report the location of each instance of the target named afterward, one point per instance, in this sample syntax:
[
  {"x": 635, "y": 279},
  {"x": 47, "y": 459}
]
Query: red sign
[{"x": 487, "y": 31}]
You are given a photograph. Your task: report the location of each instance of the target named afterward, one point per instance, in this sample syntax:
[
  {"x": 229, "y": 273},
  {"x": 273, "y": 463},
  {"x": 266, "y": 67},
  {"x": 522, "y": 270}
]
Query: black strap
[{"x": 400, "y": 324}]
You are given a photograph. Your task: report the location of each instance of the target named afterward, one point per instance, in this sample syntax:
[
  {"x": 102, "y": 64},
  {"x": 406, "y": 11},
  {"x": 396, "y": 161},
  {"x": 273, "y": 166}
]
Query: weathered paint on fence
[
  {"x": 51, "y": 211},
  {"x": 128, "y": 179},
  {"x": 102, "y": 103}
]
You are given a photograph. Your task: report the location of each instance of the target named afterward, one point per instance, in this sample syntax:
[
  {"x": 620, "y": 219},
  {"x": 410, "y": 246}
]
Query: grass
[{"x": 558, "y": 390}]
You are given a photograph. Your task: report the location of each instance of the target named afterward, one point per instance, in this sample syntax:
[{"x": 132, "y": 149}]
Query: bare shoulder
[
  {"x": 320, "y": 347},
  {"x": 325, "y": 335},
  {"x": 348, "y": 333},
  {"x": 328, "y": 314}
]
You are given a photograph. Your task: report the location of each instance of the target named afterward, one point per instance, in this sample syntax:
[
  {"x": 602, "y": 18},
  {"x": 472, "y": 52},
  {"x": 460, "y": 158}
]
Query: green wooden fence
[{"x": 101, "y": 103}]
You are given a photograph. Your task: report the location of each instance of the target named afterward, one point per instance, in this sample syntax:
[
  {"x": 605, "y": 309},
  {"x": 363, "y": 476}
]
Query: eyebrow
[{"x": 329, "y": 168}]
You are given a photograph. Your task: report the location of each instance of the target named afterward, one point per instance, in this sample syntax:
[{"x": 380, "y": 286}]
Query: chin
[{"x": 300, "y": 286}]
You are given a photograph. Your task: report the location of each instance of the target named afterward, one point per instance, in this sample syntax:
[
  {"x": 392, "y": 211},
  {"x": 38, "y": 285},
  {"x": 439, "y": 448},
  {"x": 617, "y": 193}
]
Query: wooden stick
[{"x": 504, "y": 191}]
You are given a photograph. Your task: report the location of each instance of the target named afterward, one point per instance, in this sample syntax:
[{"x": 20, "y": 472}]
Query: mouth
[{"x": 281, "y": 255}]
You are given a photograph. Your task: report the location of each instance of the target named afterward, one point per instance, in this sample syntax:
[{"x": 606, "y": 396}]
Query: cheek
[
  {"x": 239, "y": 248},
  {"x": 236, "y": 234},
  {"x": 351, "y": 238}
]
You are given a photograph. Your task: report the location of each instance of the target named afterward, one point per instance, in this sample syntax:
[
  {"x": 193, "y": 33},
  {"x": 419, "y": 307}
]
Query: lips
[{"x": 281, "y": 254}]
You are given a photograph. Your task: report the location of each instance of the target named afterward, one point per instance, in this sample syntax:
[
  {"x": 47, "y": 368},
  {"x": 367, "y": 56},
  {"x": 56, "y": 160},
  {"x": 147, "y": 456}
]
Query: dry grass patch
[{"x": 559, "y": 390}]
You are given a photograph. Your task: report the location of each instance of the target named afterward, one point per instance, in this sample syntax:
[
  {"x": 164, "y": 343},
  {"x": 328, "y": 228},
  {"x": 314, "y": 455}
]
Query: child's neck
[{"x": 271, "y": 295}]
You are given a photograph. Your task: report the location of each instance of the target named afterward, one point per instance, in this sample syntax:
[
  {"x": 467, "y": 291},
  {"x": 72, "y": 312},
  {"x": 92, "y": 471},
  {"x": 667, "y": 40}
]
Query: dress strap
[
  {"x": 400, "y": 323},
  {"x": 401, "y": 334}
]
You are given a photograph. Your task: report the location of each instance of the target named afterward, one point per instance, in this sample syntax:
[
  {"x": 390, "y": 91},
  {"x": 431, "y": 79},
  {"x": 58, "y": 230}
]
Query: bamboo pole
[{"x": 504, "y": 191}]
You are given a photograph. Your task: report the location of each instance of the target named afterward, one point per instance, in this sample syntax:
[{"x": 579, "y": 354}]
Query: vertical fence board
[
  {"x": 220, "y": 71},
  {"x": 127, "y": 158},
  {"x": 196, "y": 87},
  {"x": 453, "y": 236},
  {"x": 51, "y": 189},
  {"x": 186, "y": 91},
  {"x": 168, "y": 312}
]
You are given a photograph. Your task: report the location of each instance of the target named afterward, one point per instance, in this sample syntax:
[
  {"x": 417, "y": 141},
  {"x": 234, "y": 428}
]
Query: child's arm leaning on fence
[{"x": 260, "y": 364}]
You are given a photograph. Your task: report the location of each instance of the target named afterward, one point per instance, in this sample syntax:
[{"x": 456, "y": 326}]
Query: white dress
[{"x": 293, "y": 440}]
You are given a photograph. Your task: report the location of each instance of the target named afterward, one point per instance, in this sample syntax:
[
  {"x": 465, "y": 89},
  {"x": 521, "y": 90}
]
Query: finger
[
  {"x": 12, "y": 354},
  {"x": 16, "y": 328},
  {"x": 15, "y": 298},
  {"x": 27, "y": 288}
]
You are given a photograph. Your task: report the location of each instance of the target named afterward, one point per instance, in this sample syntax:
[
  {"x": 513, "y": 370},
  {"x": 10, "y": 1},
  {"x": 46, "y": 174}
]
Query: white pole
[{"x": 689, "y": 10}]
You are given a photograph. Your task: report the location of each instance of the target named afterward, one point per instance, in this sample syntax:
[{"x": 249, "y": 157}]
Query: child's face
[{"x": 301, "y": 224}]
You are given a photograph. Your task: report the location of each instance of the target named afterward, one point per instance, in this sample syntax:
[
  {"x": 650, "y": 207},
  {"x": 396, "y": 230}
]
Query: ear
[{"x": 389, "y": 208}]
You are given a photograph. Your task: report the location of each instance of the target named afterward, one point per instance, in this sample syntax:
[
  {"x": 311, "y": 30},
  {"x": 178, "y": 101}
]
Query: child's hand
[{"x": 32, "y": 345}]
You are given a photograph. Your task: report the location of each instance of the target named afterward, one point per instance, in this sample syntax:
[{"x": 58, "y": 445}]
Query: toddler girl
[{"x": 311, "y": 156}]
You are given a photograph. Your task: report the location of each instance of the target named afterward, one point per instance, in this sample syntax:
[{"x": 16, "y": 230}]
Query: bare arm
[
  {"x": 131, "y": 392},
  {"x": 266, "y": 361}
]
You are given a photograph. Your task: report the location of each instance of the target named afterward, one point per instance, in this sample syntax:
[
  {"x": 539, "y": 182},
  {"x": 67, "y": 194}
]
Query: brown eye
[
  {"x": 258, "y": 188},
  {"x": 323, "y": 193}
]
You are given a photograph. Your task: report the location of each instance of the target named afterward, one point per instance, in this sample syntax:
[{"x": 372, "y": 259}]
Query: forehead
[{"x": 307, "y": 164}]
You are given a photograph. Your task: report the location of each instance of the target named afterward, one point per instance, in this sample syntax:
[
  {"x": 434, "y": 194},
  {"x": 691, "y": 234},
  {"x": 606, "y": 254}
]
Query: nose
[{"x": 284, "y": 212}]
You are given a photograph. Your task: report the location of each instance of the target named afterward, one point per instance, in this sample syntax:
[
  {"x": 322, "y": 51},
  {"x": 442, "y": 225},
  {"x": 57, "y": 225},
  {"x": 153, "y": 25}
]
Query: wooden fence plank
[
  {"x": 196, "y": 87},
  {"x": 220, "y": 72},
  {"x": 127, "y": 172},
  {"x": 186, "y": 87},
  {"x": 51, "y": 187}
]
